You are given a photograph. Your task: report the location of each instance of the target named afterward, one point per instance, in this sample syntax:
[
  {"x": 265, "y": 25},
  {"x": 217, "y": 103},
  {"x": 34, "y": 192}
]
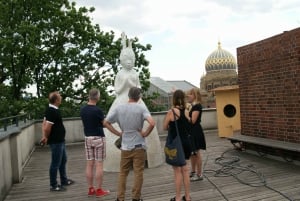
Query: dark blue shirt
[{"x": 92, "y": 117}]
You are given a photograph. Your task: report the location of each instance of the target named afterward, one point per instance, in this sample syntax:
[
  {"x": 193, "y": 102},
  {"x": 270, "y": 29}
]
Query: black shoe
[
  {"x": 68, "y": 182},
  {"x": 137, "y": 199},
  {"x": 57, "y": 188},
  {"x": 173, "y": 199},
  {"x": 184, "y": 199}
]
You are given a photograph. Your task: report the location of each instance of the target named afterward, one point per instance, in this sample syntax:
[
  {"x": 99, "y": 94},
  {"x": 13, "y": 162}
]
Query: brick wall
[{"x": 269, "y": 81}]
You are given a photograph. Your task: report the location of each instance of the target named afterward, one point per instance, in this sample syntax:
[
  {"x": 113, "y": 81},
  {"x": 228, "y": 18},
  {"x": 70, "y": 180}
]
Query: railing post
[
  {"x": 5, "y": 124},
  {"x": 17, "y": 120}
]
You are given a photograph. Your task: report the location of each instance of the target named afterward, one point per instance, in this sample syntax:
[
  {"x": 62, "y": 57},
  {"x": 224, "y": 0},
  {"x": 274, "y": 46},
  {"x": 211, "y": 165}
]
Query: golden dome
[{"x": 220, "y": 60}]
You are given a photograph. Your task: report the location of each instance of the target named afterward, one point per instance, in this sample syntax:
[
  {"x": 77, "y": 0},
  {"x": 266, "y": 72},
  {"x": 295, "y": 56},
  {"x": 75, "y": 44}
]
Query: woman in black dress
[
  {"x": 181, "y": 173},
  {"x": 194, "y": 98}
]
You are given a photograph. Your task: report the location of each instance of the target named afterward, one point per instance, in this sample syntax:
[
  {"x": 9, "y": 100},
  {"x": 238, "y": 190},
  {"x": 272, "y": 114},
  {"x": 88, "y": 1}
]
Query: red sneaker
[
  {"x": 91, "y": 191},
  {"x": 100, "y": 192}
]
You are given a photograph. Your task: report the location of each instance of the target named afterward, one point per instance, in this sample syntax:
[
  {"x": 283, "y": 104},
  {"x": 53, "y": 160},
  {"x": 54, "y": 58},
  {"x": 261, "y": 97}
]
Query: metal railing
[{"x": 13, "y": 121}]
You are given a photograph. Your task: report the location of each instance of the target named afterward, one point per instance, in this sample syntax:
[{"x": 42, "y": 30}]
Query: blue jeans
[{"x": 58, "y": 163}]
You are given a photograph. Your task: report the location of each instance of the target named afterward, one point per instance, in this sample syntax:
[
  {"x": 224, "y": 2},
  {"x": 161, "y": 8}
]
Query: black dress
[
  {"x": 182, "y": 123},
  {"x": 196, "y": 129}
]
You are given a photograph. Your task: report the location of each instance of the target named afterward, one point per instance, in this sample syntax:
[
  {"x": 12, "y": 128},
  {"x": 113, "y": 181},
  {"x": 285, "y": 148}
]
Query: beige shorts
[{"x": 95, "y": 148}]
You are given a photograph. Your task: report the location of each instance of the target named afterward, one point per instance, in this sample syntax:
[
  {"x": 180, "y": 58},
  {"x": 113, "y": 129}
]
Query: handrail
[{"x": 13, "y": 121}]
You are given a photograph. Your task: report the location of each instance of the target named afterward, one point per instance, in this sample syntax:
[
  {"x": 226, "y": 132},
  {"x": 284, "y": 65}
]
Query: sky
[{"x": 184, "y": 33}]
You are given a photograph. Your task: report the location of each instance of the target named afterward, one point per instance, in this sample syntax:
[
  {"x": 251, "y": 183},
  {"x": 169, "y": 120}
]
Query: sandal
[{"x": 68, "y": 183}]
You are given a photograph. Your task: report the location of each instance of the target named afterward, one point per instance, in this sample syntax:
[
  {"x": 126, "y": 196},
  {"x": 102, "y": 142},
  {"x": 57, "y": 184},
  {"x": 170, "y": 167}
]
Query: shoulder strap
[{"x": 177, "y": 132}]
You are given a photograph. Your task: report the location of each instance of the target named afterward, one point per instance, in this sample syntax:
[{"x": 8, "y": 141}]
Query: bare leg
[
  {"x": 89, "y": 172},
  {"x": 186, "y": 181},
  {"x": 99, "y": 174},
  {"x": 193, "y": 163},
  {"x": 178, "y": 181},
  {"x": 199, "y": 163}
]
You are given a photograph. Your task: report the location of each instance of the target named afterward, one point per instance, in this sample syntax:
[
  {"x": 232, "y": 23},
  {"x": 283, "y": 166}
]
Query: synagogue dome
[{"x": 220, "y": 59}]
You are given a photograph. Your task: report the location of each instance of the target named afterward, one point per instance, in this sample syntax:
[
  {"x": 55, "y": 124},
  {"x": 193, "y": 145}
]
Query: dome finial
[{"x": 219, "y": 44}]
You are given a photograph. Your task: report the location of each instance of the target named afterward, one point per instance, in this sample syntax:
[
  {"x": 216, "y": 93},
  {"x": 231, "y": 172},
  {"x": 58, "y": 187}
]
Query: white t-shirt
[{"x": 130, "y": 117}]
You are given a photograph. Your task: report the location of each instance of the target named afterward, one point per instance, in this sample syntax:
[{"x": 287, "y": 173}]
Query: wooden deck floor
[{"x": 252, "y": 178}]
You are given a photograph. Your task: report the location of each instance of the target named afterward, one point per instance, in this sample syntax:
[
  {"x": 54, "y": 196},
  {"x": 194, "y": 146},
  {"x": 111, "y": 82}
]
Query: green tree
[{"x": 54, "y": 46}]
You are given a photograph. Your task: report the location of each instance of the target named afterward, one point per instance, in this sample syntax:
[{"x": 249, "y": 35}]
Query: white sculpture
[{"x": 126, "y": 78}]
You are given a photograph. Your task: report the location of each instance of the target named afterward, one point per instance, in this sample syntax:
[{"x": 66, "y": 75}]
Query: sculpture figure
[{"x": 126, "y": 78}]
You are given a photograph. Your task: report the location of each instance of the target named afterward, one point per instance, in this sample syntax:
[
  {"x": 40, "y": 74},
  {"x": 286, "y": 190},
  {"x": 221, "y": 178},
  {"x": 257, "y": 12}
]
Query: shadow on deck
[{"x": 229, "y": 175}]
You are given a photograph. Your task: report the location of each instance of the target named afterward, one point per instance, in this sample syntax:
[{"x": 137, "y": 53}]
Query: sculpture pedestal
[{"x": 113, "y": 154}]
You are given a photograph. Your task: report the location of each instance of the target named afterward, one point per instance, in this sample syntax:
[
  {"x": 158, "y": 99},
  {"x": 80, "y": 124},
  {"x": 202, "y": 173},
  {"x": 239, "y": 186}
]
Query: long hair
[
  {"x": 179, "y": 99},
  {"x": 196, "y": 92}
]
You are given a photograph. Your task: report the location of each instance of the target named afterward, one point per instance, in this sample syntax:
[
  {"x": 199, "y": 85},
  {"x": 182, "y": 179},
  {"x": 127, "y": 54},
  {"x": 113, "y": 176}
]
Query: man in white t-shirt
[{"x": 130, "y": 118}]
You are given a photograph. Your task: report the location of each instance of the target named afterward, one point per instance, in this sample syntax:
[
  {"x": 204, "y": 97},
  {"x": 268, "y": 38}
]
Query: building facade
[{"x": 165, "y": 90}]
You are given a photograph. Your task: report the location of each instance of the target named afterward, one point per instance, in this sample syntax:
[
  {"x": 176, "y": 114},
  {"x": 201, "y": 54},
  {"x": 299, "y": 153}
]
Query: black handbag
[{"x": 173, "y": 149}]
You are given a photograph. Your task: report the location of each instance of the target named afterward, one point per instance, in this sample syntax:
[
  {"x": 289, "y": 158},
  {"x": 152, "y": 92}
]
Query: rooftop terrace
[{"x": 229, "y": 175}]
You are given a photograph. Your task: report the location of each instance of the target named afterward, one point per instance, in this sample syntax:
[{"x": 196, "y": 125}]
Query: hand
[
  {"x": 142, "y": 133},
  {"x": 43, "y": 141}
]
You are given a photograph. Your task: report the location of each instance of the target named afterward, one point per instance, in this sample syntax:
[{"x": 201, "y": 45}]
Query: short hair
[
  {"x": 53, "y": 96},
  {"x": 135, "y": 93},
  {"x": 94, "y": 94}
]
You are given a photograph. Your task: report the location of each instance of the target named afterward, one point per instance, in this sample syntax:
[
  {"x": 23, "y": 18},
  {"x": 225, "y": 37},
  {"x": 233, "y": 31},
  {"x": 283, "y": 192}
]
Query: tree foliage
[{"x": 54, "y": 46}]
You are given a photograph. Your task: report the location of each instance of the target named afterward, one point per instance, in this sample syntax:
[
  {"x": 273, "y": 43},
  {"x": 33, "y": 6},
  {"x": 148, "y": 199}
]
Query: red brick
[{"x": 269, "y": 74}]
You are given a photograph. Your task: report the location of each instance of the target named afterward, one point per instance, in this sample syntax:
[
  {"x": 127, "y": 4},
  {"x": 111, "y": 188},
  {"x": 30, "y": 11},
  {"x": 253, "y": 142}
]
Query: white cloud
[{"x": 184, "y": 33}]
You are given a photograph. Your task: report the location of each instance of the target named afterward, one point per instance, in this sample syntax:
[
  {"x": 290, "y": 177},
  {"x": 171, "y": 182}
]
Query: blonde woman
[{"x": 194, "y": 98}]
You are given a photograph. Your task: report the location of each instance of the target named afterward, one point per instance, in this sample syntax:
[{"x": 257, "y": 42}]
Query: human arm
[
  {"x": 196, "y": 113},
  {"x": 108, "y": 125},
  {"x": 186, "y": 114},
  {"x": 46, "y": 129},
  {"x": 167, "y": 120},
  {"x": 194, "y": 117},
  {"x": 150, "y": 127}
]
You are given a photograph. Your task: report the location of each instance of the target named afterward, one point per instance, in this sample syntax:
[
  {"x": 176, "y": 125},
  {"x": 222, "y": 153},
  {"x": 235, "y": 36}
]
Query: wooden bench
[{"x": 290, "y": 146}]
